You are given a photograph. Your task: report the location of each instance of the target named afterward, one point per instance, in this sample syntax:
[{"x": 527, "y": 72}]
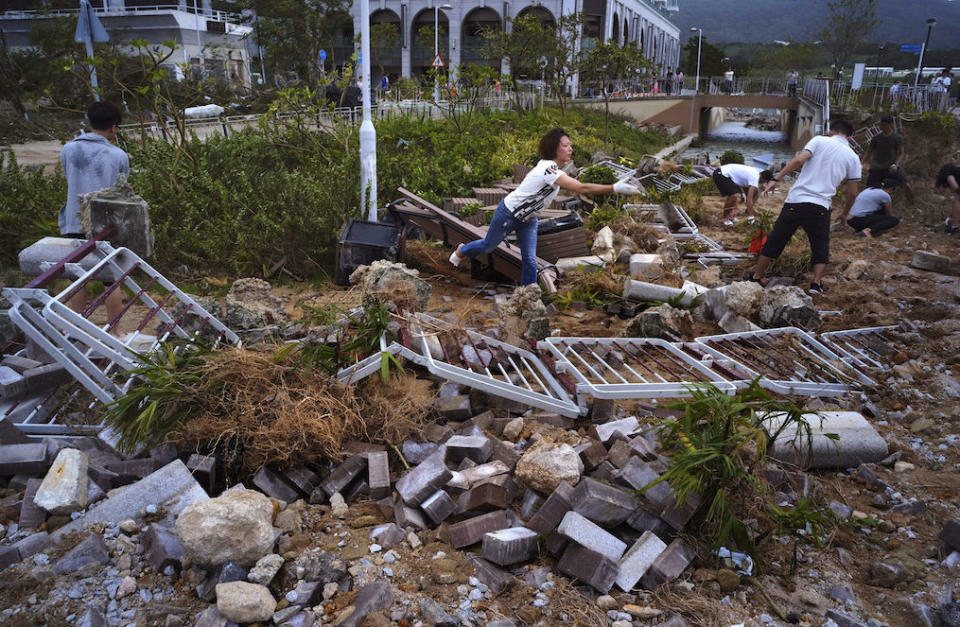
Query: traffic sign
[
  {"x": 914, "y": 48},
  {"x": 437, "y": 61},
  {"x": 323, "y": 56}
]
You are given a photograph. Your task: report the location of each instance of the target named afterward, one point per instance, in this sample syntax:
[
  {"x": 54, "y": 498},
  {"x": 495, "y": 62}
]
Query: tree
[
  {"x": 609, "y": 62},
  {"x": 522, "y": 48},
  {"x": 711, "y": 58},
  {"x": 384, "y": 39},
  {"x": 293, "y": 32},
  {"x": 849, "y": 24},
  {"x": 561, "y": 60}
]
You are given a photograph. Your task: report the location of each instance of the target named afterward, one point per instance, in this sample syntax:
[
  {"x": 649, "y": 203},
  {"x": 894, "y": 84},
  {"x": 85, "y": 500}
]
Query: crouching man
[{"x": 870, "y": 213}]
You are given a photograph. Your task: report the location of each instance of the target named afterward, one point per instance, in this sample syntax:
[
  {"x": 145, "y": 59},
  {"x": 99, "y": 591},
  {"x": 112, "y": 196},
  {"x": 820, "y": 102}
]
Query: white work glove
[{"x": 622, "y": 187}]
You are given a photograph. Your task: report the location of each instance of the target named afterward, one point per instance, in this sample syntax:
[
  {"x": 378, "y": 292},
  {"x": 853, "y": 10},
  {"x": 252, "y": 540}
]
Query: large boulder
[
  {"x": 661, "y": 321},
  {"x": 244, "y": 602},
  {"x": 547, "y": 465},
  {"x": 393, "y": 285},
  {"x": 237, "y": 526},
  {"x": 788, "y": 305}
]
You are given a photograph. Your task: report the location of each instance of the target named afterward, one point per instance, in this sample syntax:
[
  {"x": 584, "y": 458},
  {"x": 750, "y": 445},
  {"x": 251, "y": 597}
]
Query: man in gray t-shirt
[{"x": 91, "y": 162}]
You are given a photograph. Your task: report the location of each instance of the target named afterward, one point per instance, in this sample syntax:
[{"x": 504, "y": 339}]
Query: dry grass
[{"x": 279, "y": 413}]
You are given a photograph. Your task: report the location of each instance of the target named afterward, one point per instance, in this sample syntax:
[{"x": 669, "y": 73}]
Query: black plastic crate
[{"x": 362, "y": 243}]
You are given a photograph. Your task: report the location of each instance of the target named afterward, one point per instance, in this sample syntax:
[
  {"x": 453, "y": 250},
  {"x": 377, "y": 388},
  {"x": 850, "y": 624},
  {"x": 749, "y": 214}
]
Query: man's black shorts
[
  {"x": 813, "y": 219},
  {"x": 725, "y": 184}
]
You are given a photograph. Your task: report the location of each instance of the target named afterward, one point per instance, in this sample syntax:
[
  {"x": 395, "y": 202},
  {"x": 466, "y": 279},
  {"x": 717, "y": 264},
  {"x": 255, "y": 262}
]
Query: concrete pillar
[{"x": 454, "y": 33}]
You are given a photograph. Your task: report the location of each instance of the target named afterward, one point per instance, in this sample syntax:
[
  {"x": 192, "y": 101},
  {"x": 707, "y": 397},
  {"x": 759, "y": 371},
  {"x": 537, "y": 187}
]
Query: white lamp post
[
  {"x": 436, "y": 44},
  {"x": 696, "y": 85},
  {"x": 196, "y": 15},
  {"x": 368, "y": 134},
  {"x": 923, "y": 51}
]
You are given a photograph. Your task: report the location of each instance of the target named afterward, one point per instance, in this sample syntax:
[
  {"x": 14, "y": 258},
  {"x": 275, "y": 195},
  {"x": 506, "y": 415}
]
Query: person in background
[
  {"x": 668, "y": 81},
  {"x": 518, "y": 211},
  {"x": 91, "y": 162},
  {"x": 827, "y": 162},
  {"x": 949, "y": 177},
  {"x": 734, "y": 180},
  {"x": 679, "y": 81},
  {"x": 792, "y": 78},
  {"x": 870, "y": 213},
  {"x": 883, "y": 155}
]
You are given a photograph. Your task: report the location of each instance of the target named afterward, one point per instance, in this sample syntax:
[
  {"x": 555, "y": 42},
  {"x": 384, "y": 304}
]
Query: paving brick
[
  {"x": 601, "y": 503},
  {"x": 388, "y": 535},
  {"x": 10, "y": 433},
  {"x": 104, "y": 478},
  {"x": 635, "y": 562},
  {"x": 358, "y": 488},
  {"x": 172, "y": 487},
  {"x": 484, "y": 498},
  {"x": 20, "y": 364},
  {"x": 509, "y": 546},
  {"x": 307, "y": 593},
  {"x": 455, "y": 407},
  {"x": 90, "y": 550},
  {"x": 422, "y": 481},
  {"x": 9, "y": 377},
  {"x": 415, "y": 452},
  {"x": 483, "y": 420},
  {"x": 604, "y": 472},
  {"x": 553, "y": 509},
  {"x": 603, "y": 410},
  {"x": 64, "y": 488},
  {"x": 439, "y": 506},
  {"x": 556, "y": 544},
  {"x": 642, "y": 447},
  {"x": 31, "y": 514},
  {"x": 476, "y": 448},
  {"x": 586, "y": 533},
  {"x": 359, "y": 447},
  {"x": 642, "y": 519},
  {"x": 592, "y": 455},
  {"x": 18, "y": 482},
  {"x": 637, "y": 474},
  {"x": 371, "y": 598},
  {"x": 505, "y": 453},
  {"x": 484, "y": 471},
  {"x": 950, "y": 533},
  {"x": 162, "y": 547},
  {"x": 471, "y": 531},
  {"x": 406, "y": 516},
  {"x": 303, "y": 479},
  {"x": 94, "y": 493},
  {"x": 624, "y": 426},
  {"x": 272, "y": 484},
  {"x": 204, "y": 469},
  {"x": 619, "y": 453},
  {"x": 925, "y": 260},
  {"x": 589, "y": 567},
  {"x": 668, "y": 565},
  {"x": 35, "y": 380},
  {"x": 378, "y": 474},
  {"x": 437, "y": 433},
  {"x": 676, "y": 515},
  {"x": 163, "y": 453},
  {"x": 346, "y": 472},
  {"x": 131, "y": 470},
  {"x": 504, "y": 481},
  {"x": 23, "y": 458},
  {"x": 494, "y": 577},
  {"x": 530, "y": 504}
]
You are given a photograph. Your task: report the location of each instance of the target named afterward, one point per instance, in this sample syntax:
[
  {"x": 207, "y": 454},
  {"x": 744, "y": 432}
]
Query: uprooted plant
[
  {"x": 267, "y": 406},
  {"x": 719, "y": 454}
]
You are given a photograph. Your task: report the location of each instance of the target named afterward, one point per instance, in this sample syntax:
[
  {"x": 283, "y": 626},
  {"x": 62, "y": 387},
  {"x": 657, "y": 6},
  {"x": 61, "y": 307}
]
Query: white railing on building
[{"x": 219, "y": 16}]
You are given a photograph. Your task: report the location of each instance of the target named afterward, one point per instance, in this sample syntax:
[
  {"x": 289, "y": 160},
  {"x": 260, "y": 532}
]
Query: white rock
[
  {"x": 265, "y": 569},
  {"x": 236, "y": 526},
  {"x": 64, "y": 488},
  {"x": 546, "y": 465},
  {"x": 244, "y": 602},
  {"x": 338, "y": 507},
  {"x": 511, "y": 430}
]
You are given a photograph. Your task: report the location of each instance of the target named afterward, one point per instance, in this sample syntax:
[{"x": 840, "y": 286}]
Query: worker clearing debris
[{"x": 737, "y": 182}]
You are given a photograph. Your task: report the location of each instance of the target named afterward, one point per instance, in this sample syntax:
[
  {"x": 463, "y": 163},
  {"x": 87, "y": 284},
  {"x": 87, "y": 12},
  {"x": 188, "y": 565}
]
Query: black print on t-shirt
[{"x": 532, "y": 204}]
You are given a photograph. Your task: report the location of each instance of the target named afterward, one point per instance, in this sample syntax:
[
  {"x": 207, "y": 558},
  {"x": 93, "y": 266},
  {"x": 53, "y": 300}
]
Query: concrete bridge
[{"x": 800, "y": 118}]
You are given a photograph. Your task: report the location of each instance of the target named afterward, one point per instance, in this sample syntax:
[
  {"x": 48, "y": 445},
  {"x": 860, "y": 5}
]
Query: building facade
[
  {"x": 645, "y": 22},
  {"x": 214, "y": 39}
]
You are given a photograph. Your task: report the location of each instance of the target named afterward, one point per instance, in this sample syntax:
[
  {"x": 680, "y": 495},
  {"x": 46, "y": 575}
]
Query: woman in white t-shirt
[{"x": 518, "y": 211}]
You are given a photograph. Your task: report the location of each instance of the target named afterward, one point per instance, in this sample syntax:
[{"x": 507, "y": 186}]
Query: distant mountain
[{"x": 904, "y": 21}]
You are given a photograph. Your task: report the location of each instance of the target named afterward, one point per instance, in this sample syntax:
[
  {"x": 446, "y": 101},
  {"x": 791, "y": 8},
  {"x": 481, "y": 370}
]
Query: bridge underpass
[{"x": 798, "y": 118}]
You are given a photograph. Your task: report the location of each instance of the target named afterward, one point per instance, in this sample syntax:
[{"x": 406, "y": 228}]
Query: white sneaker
[{"x": 455, "y": 258}]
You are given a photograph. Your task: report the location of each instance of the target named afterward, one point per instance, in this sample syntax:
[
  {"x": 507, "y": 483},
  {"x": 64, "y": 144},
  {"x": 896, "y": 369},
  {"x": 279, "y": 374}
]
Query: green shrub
[
  {"x": 29, "y": 202},
  {"x": 731, "y": 156}
]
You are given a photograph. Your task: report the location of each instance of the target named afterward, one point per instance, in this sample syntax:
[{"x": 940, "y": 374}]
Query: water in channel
[{"x": 750, "y": 142}]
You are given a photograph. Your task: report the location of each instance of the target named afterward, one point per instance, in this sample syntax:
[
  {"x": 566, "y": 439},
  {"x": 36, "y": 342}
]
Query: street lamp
[
  {"x": 923, "y": 51},
  {"x": 368, "y": 134},
  {"x": 436, "y": 44},
  {"x": 696, "y": 85}
]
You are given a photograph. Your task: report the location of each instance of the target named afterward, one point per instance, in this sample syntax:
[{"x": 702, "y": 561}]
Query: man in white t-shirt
[
  {"x": 827, "y": 162},
  {"x": 735, "y": 180},
  {"x": 870, "y": 213}
]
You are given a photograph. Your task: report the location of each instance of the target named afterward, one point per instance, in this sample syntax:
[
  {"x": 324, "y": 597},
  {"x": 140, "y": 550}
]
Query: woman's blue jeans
[{"x": 503, "y": 224}]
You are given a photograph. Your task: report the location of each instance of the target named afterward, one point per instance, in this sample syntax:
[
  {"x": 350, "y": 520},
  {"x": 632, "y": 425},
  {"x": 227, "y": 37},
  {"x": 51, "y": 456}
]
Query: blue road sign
[
  {"x": 323, "y": 56},
  {"x": 911, "y": 47}
]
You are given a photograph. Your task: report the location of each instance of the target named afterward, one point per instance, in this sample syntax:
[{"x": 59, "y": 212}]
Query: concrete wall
[{"x": 808, "y": 123}]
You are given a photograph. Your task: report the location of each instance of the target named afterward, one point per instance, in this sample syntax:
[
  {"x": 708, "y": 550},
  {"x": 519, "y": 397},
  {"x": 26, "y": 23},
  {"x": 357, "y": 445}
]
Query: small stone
[
  {"x": 728, "y": 580},
  {"x": 606, "y": 602},
  {"x": 244, "y": 602},
  {"x": 265, "y": 569},
  {"x": 512, "y": 430},
  {"x": 127, "y": 587},
  {"x": 338, "y": 507}
]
